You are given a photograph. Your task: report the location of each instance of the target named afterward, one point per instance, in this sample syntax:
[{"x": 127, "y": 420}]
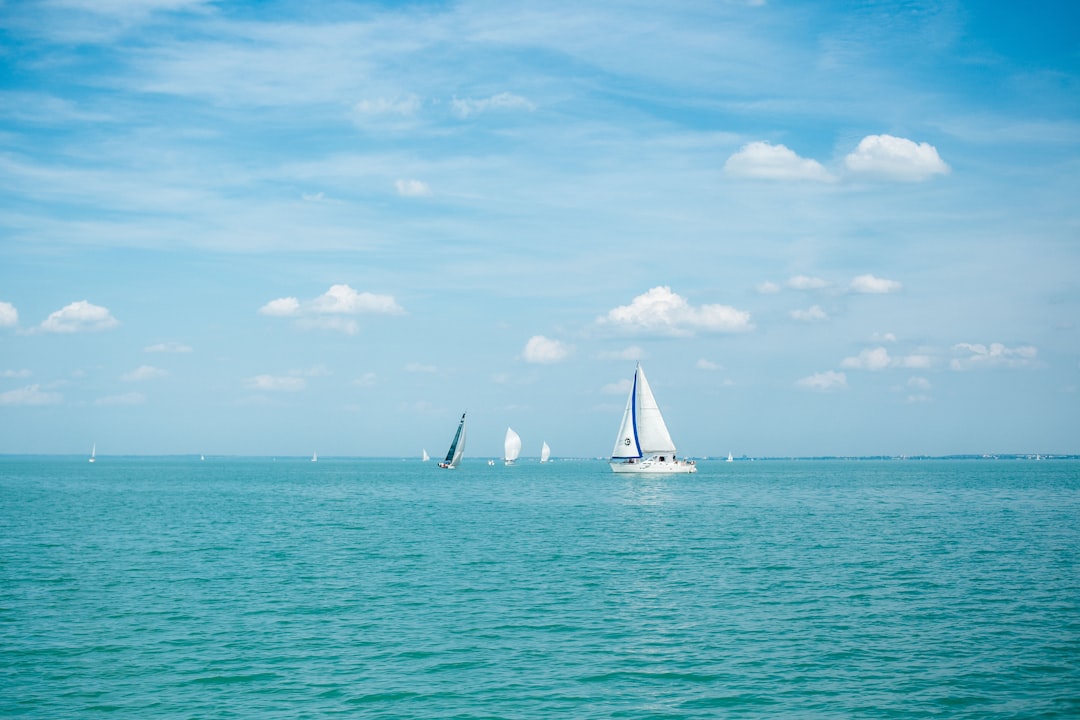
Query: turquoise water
[{"x": 173, "y": 588}]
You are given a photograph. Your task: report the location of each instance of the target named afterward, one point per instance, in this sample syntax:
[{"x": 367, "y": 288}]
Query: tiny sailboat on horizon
[{"x": 545, "y": 453}]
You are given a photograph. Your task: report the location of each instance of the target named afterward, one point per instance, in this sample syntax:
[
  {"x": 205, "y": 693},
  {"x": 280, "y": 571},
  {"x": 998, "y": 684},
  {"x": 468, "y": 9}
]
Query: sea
[{"x": 176, "y": 587}]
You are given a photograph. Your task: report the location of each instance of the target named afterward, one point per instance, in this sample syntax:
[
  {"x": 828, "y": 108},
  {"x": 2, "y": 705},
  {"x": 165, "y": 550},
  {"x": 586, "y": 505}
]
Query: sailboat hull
[{"x": 653, "y": 465}]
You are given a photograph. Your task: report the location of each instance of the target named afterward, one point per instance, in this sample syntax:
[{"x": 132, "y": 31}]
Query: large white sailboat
[
  {"x": 644, "y": 444},
  {"x": 545, "y": 453},
  {"x": 511, "y": 446},
  {"x": 457, "y": 447}
]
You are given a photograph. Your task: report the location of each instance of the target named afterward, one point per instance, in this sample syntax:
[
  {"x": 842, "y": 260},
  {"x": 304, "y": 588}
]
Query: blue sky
[{"x": 278, "y": 228}]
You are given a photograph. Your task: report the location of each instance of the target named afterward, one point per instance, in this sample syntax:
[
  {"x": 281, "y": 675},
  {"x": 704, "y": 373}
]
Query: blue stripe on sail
[{"x": 633, "y": 413}]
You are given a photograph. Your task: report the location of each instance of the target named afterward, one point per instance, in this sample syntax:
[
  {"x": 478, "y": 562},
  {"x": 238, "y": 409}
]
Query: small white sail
[
  {"x": 314, "y": 457},
  {"x": 545, "y": 453},
  {"x": 424, "y": 457},
  {"x": 93, "y": 453},
  {"x": 511, "y": 446},
  {"x": 729, "y": 457}
]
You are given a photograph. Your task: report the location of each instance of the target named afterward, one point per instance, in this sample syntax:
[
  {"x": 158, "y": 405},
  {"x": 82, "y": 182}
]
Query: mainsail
[
  {"x": 511, "y": 446},
  {"x": 642, "y": 431},
  {"x": 457, "y": 447},
  {"x": 545, "y": 453}
]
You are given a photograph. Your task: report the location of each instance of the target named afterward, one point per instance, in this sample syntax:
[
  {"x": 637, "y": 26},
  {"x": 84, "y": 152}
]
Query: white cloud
[
  {"x": 893, "y": 158},
  {"x": 805, "y": 282},
  {"x": 995, "y": 355},
  {"x": 9, "y": 316},
  {"x": 79, "y": 316},
  {"x": 812, "y": 314},
  {"x": 703, "y": 364},
  {"x": 30, "y": 395},
  {"x": 144, "y": 372},
  {"x": 276, "y": 383},
  {"x": 663, "y": 312},
  {"x": 404, "y": 106},
  {"x": 15, "y": 374},
  {"x": 870, "y": 285},
  {"x": 774, "y": 162},
  {"x": 622, "y": 387},
  {"x": 918, "y": 383},
  {"x": 824, "y": 381},
  {"x": 319, "y": 370},
  {"x": 365, "y": 380},
  {"x": 883, "y": 337},
  {"x": 323, "y": 312},
  {"x": 282, "y": 307},
  {"x": 412, "y": 188},
  {"x": 167, "y": 347},
  {"x": 415, "y": 367},
  {"x": 879, "y": 359},
  {"x": 540, "y": 349},
  {"x": 502, "y": 101},
  {"x": 131, "y": 398},
  {"x": 768, "y": 288}
]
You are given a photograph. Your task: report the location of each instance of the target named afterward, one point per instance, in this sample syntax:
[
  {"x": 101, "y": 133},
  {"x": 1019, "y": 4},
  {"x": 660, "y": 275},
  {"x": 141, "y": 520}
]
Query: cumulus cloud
[
  {"x": 660, "y": 311},
  {"x": 79, "y": 316},
  {"x": 329, "y": 311},
  {"x": 167, "y": 347},
  {"x": 274, "y": 383},
  {"x": 871, "y": 285},
  {"x": 30, "y": 395},
  {"x": 412, "y": 188},
  {"x": 996, "y": 355},
  {"x": 143, "y": 372},
  {"x": 9, "y": 316},
  {"x": 774, "y": 162},
  {"x": 540, "y": 349},
  {"x": 879, "y": 359},
  {"x": 824, "y": 381},
  {"x": 464, "y": 108},
  {"x": 893, "y": 158},
  {"x": 814, "y": 313}
]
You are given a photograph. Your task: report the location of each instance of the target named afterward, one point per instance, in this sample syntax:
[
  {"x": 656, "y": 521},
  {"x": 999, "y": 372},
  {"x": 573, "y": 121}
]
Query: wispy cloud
[
  {"x": 30, "y": 395},
  {"x": 774, "y": 162},
  {"x": 415, "y": 367},
  {"x": 806, "y": 282},
  {"x": 276, "y": 383},
  {"x": 824, "y": 381},
  {"x": 144, "y": 372},
  {"x": 879, "y": 359},
  {"x": 79, "y": 316},
  {"x": 15, "y": 373},
  {"x": 660, "y": 311},
  {"x": 167, "y": 347},
  {"x": 814, "y": 313},
  {"x": 703, "y": 364},
  {"x": 622, "y": 387},
  {"x": 995, "y": 355},
  {"x": 131, "y": 398},
  {"x": 465, "y": 107},
  {"x": 412, "y": 188}
]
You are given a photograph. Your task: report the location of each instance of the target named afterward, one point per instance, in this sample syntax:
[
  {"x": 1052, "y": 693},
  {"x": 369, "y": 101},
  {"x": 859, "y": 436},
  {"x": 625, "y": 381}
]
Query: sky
[{"x": 268, "y": 228}]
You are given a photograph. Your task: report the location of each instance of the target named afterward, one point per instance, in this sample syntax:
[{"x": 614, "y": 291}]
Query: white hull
[{"x": 654, "y": 466}]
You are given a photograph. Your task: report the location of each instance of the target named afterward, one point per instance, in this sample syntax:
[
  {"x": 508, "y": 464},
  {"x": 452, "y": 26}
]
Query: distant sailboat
[
  {"x": 424, "y": 457},
  {"x": 314, "y": 457},
  {"x": 93, "y": 453},
  {"x": 545, "y": 453},
  {"x": 729, "y": 458},
  {"x": 457, "y": 447},
  {"x": 511, "y": 446},
  {"x": 644, "y": 444},
  {"x": 202, "y": 457}
]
